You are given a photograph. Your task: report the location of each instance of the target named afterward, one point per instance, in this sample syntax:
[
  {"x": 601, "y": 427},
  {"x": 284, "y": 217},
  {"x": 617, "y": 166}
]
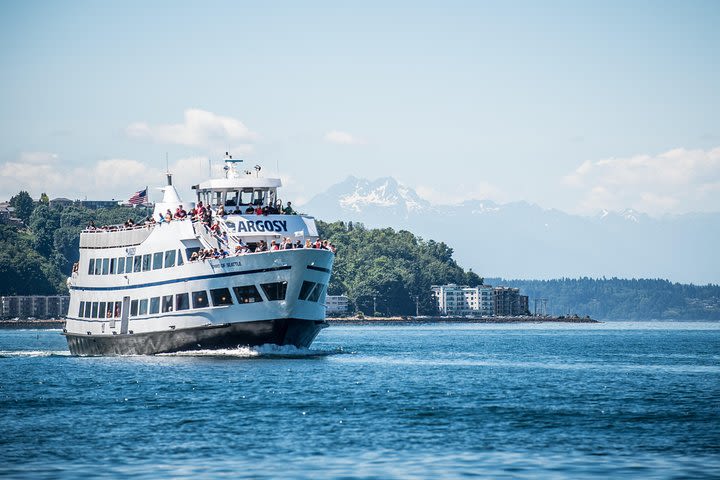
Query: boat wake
[
  {"x": 33, "y": 353},
  {"x": 263, "y": 351}
]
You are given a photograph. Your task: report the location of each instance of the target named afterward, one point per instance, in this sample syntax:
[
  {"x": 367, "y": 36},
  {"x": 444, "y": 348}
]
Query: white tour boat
[{"x": 139, "y": 291}]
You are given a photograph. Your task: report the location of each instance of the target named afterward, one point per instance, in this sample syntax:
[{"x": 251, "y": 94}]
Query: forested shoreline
[{"x": 382, "y": 271}]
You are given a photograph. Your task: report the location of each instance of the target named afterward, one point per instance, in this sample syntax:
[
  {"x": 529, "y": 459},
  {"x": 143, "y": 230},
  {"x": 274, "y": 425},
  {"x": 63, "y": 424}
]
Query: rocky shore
[
  {"x": 45, "y": 323},
  {"x": 425, "y": 320},
  {"x": 60, "y": 323}
]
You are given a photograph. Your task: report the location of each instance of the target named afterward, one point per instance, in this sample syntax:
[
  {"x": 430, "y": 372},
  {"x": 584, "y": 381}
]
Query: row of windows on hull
[
  {"x": 134, "y": 263},
  {"x": 200, "y": 299}
]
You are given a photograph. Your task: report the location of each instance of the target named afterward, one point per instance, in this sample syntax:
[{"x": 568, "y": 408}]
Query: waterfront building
[
  {"x": 337, "y": 305},
  {"x": 37, "y": 306},
  {"x": 508, "y": 302},
  {"x": 455, "y": 299}
]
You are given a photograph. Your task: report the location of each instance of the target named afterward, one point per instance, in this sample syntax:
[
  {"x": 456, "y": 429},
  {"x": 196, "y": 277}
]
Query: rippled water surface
[{"x": 565, "y": 401}]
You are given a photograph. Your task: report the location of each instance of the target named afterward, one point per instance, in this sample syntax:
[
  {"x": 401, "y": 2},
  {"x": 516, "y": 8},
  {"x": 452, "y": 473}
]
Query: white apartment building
[
  {"x": 463, "y": 300},
  {"x": 337, "y": 305}
]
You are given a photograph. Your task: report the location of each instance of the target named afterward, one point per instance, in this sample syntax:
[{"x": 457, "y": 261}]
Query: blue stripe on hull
[{"x": 184, "y": 279}]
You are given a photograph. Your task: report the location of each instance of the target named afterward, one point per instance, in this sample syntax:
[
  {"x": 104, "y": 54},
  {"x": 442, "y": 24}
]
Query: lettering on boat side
[
  {"x": 214, "y": 263},
  {"x": 262, "y": 226}
]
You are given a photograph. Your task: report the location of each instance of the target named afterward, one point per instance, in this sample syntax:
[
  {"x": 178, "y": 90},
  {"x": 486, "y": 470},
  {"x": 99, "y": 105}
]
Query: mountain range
[{"x": 523, "y": 240}]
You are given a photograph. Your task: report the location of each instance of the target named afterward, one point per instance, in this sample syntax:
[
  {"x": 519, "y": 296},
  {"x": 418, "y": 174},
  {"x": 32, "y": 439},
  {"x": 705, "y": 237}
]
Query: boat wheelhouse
[{"x": 140, "y": 289}]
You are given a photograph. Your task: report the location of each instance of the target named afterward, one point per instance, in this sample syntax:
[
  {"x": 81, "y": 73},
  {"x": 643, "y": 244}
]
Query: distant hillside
[
  {"x": 520, "y": 240},
  {"x": 389, "y": 270},
  {"x": 622, "y": 299}
]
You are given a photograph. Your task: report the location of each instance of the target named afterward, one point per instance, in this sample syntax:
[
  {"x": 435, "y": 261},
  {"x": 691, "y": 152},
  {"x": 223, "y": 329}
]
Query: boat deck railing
[{"x": 114, "y": 236}]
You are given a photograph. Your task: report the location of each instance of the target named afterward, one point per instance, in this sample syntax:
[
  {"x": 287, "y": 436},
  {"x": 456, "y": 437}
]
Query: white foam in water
[
  {"x": 263, "y": 351},
  {"x": 33, "y": 353}
]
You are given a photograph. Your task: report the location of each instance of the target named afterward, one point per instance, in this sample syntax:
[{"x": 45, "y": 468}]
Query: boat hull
[{"x": 282, "y": 331}]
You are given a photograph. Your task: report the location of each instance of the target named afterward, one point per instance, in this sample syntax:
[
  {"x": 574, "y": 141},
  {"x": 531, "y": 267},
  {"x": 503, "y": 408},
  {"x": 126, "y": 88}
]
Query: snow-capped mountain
[
  {"x": 359, "y": 196},
  {"x": 522, "y": 240}
]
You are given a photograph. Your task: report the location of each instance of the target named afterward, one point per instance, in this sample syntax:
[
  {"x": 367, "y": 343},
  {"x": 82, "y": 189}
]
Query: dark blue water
[{"x": 560, "y": 401}]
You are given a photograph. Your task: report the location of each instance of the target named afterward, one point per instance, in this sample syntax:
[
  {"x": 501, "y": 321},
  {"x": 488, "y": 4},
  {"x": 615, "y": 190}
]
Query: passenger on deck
[
  {"x": 274, "y": 245},
  {"x": 258, "y": 210},
  {"x": 249, "y": 211},
  {"x": 168, "y": 215},
  {"x": 221, "y": 211},
  {"x": 289, "y": 210},
  {"x": 180, "y": 213},
  {"x": 308, "y": 244},
  {"x": 298, "y": 244}
]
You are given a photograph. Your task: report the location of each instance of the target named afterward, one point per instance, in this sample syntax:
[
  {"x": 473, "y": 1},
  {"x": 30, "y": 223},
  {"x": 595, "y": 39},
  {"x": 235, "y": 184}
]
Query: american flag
[{"x": 138, "y": 198}]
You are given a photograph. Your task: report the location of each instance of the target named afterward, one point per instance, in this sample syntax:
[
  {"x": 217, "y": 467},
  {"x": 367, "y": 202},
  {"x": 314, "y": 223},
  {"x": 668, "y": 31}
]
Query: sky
[{"x": 579, "y": 106}]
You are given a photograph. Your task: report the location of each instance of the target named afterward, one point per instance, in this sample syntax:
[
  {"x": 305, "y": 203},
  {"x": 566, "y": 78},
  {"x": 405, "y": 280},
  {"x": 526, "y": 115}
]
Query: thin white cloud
[
  {"x": 342, "y": 138},
  {"x": 37, "y": 158},
  {"x": 201, "y": 129},
  {"x": 677, "y": 181},
  {"x": 105, "y": 179}
]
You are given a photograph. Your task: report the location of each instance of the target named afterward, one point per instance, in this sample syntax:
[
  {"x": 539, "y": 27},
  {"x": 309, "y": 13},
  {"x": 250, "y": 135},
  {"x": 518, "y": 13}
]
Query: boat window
[
  {"x": 118, "y": 308},
  {"x": 91, "y": 267},
  {"x": 221, "y": 296},
  {"x": 167, "y": 303},
  {"x": 179, "y": 257},
  {"x": 157, "y": 260},
  {"x": 121, "y": 265},
  {"x": 94, "y": 309},
  {"x": 154, "y": 305},
  {"x": 200, "y": 299},
  {"x": 170, "y": 258},
  {"x": 109, "y": 310},
  {"x": 101, "y": 309},
  {"x": 133, "y": 308},
  {"x": 246, "y": 196},
  {"x": 98, "y": 266},
  {"x": 247, "y": 294},
  {"x": 259, "y": 197},
  {"x": 142, "y": 307},
  {"x": 275, "y": 291},
  {"x": 137, "y": 263},
  {"x": 146, "y": 262},
  {"x": 105, "y": 266},
  {"x": 81, "y": 311},
  {"x": 112, "y": 266},
  {"x": 315, "y": 295},
  {"x": 232, "y": 199},
  {"x": 306, "y": 289},
  {"x": 181, "y": 301},
  {"x": 87, "y": 309}
]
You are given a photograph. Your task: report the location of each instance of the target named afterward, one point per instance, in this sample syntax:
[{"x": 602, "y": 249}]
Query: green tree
[
  {"x": 43, "y": 223},
  {"x": 44, "y": 198},
  {"x": 23, "y": 205}
]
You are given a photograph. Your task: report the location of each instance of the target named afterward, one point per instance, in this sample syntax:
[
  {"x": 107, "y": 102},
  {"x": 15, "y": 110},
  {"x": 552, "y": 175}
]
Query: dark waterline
[{"x": 565, "y": 401}]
